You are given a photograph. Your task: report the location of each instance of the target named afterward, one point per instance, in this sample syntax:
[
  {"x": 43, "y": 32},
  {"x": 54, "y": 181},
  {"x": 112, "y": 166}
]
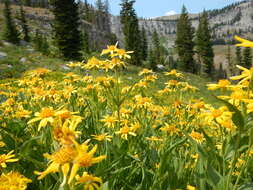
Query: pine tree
[
  {"x": 204, "y": 45},
  {"x": 184, "y": 42},
  {"x": 247, "y": 58},
  {"x": 86, "y": 42},
  {"x": 144, "y": 45},
  {"x": 152, "y": 60},
  {"x": 11, "y": 33},
  {"x": 131, "y": 30},
  {"x": 156, "y": 48},
  {"x": 65, "y": 26},
  {"x": 24, "y": 24},
  {"x": 238, "y": 54}
]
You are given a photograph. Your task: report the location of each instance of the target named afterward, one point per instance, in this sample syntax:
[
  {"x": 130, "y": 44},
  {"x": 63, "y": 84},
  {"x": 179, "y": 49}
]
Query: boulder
[
  {"x": 3, "y": 55},
  {"x": 23, "y": 60}
]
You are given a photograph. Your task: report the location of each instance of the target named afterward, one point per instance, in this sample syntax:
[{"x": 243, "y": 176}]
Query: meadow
[{"x": 98, "y": 128}]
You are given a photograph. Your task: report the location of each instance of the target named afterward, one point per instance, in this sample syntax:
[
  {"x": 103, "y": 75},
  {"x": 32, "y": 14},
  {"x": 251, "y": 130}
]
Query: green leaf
[
  {"x": 213, "y": 176},
  {"x": 247, "y": 186}
]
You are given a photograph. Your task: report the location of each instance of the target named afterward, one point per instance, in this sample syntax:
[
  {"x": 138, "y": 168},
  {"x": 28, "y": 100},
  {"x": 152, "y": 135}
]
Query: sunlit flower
[
  {"x": 125, "y": 131},
  {"x": 90, "y": 182},
  {"x": 13, "y": 181},
  {"x": 109, "y": 121},
  {"x": 5, "y": 158},
  {"x": 246, "y": 74},
  {"x": 197, "y": 136},
  {"x": 84, "y": 158},
  {"x": 189, "y": 187},
  {"x": 102, "y": 137},
  {"x": 170, "y": 129},
  {"x": 45, "y": 116},
  {"x": 145, "y": 71},
  {"x": 174, "y": 72},
  {"x": 222, "y": 84},
  {"x": 244, "y": 43}
]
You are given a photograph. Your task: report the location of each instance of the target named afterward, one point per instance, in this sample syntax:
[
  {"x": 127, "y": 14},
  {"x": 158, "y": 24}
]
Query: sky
[{"x": 155, "y": 8}]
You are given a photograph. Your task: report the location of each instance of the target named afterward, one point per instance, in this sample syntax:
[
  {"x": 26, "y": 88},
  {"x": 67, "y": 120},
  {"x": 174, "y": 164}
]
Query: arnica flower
[
  {"x": 45, "y": 116},
  {"x": 145, "y": 71},
  {"x": 2, "y": 144},
  {"x": 125, "y": 131},
  {"x": 90, "y": 182},
  {"x": 244, "y": 43},
  {"x": 84, "y": 158},
  {"x": 5, "y": 158},
  {"x": 66, "y": 133},
  {"x": 222, "y": 84},
  {"x": 198, "y": 137},
  {"x": 189, "y": 187},
  {"x": 102, "y": 137},
  {"x": 170, "y": 129},
  {"x": 59, "y": 160},
  {"x": 246, "y": 74},
  {"x": 13, "y": 181},
  {"x": 174, "y": 72},
  {"x": 109, "y": 121}
]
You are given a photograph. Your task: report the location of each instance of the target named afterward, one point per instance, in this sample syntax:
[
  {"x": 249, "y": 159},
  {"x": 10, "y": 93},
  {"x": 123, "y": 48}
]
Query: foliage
[
  {"x": 204, "y": 44},
  {"x": 65, "y": 25},
  {"x": 131, "y": 30},
  {"x": 11, "y": 33},
  {"x": 24, "y": 24},
  {"x": 184, "y": 42},
  {"x": 247, "y": 57}
]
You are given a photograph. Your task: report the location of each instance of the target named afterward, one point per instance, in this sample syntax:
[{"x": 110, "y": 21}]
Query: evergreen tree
[
  {"x": 131, "y": 30},
  {"x": 152, "y": 60},
  {"x": 41, "y": 43},
  {"x": 11, "y": 33},
  {"x": 65, "y": 26},
  {"x": 27, "y": 2},
  {"x": 184, "y": 42},
  {"x": 247, "y": 58},
  {"x": 238, "y": 54},
  {"x": 24, "y": 24},
  {"x": 144, "y": 44},
  {"x": 86, "y": 42},
  {"x": 99, "y": 14},
  {"x": 204, "y": 45},
  {"x": 156, "y": 48}
]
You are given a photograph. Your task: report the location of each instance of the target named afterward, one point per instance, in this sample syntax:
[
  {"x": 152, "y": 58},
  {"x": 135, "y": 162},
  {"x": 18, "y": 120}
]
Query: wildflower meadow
[{"x": 96, "y": 131}]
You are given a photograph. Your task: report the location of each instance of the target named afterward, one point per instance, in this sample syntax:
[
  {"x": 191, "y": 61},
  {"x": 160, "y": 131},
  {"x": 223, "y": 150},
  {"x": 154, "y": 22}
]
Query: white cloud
[{"x": 169, "y": 13}]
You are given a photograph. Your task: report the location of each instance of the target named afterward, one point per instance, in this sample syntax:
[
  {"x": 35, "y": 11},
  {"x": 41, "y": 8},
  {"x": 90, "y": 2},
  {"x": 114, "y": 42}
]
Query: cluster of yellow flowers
[{"x": 128, "y": 125}]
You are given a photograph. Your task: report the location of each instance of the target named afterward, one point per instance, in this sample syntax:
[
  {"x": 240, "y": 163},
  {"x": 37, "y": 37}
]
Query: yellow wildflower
[
  {"x": 90, "y": 182},
  {"x": 5, "y": 158},
  {"x": 102, "y": 137},
  {"x": 84, "y": 158},
  {"x": 174, "y": 72},
  {"x": 223, "y": 84},
  {"x": 170, "y": 129},
  {"x": 13, "y": 181},
  {"x": 145, "y": 71},
  {"x": 244, "y": 43},
  {"x": 197, "y": 136},
  {"x": 45, "y": 116},
  {"x": 125, "y": 131},
  {"x": 189, "y": 187},
  {"x": 109, "y": 121},
  {"x": 244, "y": 76}
]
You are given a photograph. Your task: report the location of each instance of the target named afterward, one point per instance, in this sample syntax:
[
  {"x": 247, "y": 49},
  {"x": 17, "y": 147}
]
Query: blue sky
[{"x": 154, "y": 8}]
